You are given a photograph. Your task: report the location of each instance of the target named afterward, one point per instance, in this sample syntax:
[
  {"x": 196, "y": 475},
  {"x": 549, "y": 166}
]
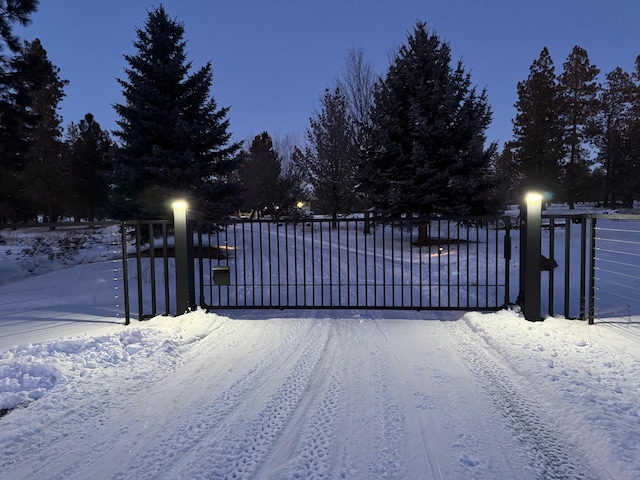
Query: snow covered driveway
[{"x": 361, "y": 396}]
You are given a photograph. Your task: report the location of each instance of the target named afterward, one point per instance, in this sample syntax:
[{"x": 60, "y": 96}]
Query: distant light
[
  {"x": 300, "y": 204},
  {"x": 533, "y": 197},
  {"x": 180, "y": 205}
]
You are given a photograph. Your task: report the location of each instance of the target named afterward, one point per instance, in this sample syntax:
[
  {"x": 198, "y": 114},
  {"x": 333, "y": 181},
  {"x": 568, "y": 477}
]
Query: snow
[{"x": 302, "y": 394}]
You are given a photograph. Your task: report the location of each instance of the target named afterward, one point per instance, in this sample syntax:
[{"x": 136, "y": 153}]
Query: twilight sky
[{"x": 272, "y": 60}]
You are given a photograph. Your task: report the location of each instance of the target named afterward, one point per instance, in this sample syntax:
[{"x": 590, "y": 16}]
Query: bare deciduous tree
[{"x": 356, "y": 82}]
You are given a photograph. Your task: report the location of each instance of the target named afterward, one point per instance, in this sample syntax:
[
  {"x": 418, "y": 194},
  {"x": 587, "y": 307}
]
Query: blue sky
[{"x": 272, "y": 60}]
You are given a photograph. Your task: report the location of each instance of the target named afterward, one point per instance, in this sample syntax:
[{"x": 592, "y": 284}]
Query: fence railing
[
  {"x": 616, "y": 267},
  {"x": 92, "y": 289},
  {"x": 566, "y": 251},
  {"x": 148, "y": 263},
  {"x": 594, "y": 265}
]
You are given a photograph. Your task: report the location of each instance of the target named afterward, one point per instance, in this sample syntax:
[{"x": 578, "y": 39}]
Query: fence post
[
  {"x": 125, "y": 273},
  {"x": 182, "y": 257},
  {"x": 592, "y": 272},
  {"x": 533, "y": 227}
]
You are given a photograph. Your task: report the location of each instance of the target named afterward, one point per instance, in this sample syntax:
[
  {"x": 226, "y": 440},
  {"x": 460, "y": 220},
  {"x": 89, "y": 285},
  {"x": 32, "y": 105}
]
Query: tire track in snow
[
  {"x": 552, "y": 457},
  {"x": 188, "y": 442},
  {"x": 312, "y": 457},
  {"x": 245, "y": 446},
  {"x": 389, "y": 443}
]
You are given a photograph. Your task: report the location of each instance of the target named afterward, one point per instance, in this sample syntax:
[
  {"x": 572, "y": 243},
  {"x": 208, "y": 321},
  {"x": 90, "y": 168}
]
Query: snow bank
[
  {"x": 586, "y": 377},
  {"x": 28, "y": 371}
]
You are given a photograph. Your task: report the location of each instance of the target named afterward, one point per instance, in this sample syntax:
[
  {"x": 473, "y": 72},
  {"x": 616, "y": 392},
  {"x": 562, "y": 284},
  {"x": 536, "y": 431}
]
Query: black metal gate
[{"x": 355, "y": 263}]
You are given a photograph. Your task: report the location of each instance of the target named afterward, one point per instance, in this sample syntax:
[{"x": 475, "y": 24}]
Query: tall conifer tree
[
  {"x": 611, "y": 128},
  {"x": 175, "y": 141},
  {"x": 260, "y": 174},
  {"x": 633, "y": 126},
  {"x": 579, "y": 86},
  {"x": 89, "y": 155},
  {"x": 14, "y": 118},
  {"x": 539, "y": 127},
  {"x": 44, "y": 177},
  {"x": 427, "y": 152},
  {"x": 331, "y": 158}
]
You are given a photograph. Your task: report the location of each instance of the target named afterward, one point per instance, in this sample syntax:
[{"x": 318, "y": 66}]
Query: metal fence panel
[
  {"x": 598, "y": 260},
  {"x": 355, "y": 263},
  {"x": 616, "y": 273}
]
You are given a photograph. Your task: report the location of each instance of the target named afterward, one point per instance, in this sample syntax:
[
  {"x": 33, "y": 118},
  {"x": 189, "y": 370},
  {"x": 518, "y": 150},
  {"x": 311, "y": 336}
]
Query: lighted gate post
[
  {"x": 533, "y": 229},
  {"x": 181, "y": 250}
]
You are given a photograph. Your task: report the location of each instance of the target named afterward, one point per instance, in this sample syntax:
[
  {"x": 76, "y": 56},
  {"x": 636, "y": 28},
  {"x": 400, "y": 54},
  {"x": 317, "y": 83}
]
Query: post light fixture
[
  {"x": 533, "y": 227},
  {"x": 533, "y": 198},
  {"x": 180, "y": 205}
]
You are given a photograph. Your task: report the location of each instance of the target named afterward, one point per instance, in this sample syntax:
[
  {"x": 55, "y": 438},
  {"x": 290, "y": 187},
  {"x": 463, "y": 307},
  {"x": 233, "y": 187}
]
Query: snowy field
[{"x": 300, "y": 394}]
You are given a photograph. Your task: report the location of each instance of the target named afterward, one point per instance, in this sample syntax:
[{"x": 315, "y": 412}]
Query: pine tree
[
  {"x": 427, "y": 151},
  {"x": 89, "y": 156},
  {"x": 14, "y": 117},
  {"x": 579, "y": 87},
  {"x": 331, "y": 158},
  {"x": 260, "y": 173},
  {"x": 611, "y": 133},
  {"x": 508, "y": 174},
  {"x": 44, "y": 178},
  {"x": 539, "y": 128},
  {"x": 11, "y": 12},
  {"x": 633, "y": 148},
  {"x": 174, "y": 138}
]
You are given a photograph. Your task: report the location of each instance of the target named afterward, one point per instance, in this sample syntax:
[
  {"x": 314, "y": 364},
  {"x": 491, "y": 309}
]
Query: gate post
[
  {"x": 533, "y": 227},
  {"x": 183, "y": 258}
]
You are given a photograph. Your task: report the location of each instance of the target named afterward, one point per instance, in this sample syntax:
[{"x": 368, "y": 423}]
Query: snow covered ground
[{"x": 304, "y": 394}]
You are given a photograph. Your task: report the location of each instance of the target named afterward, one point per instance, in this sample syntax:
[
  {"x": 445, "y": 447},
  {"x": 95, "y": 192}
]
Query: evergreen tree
[
  {"x": 427, "y": 150},
  {"x": 331, "y": 158},
  {"x": 579, "y": 87},
  {"x": 633, "y": 127},
  {"x": 508, "y": 174},
  {"x": 14, "y": 118},
  {"x": 611, "y": 129},
  {"x": 89, "y": 156},
  {"x": 174, "y": 138},
  {"x": 260, "y": 175},
  {"x": 12, "y": 12},
  {"x": 539, "y": 128},
  {"x": 44, "y": 178}
]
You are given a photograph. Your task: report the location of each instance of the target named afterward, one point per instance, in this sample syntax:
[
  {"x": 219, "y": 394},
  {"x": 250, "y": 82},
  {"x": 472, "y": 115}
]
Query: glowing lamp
[{"x": 180, "y": 205}]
